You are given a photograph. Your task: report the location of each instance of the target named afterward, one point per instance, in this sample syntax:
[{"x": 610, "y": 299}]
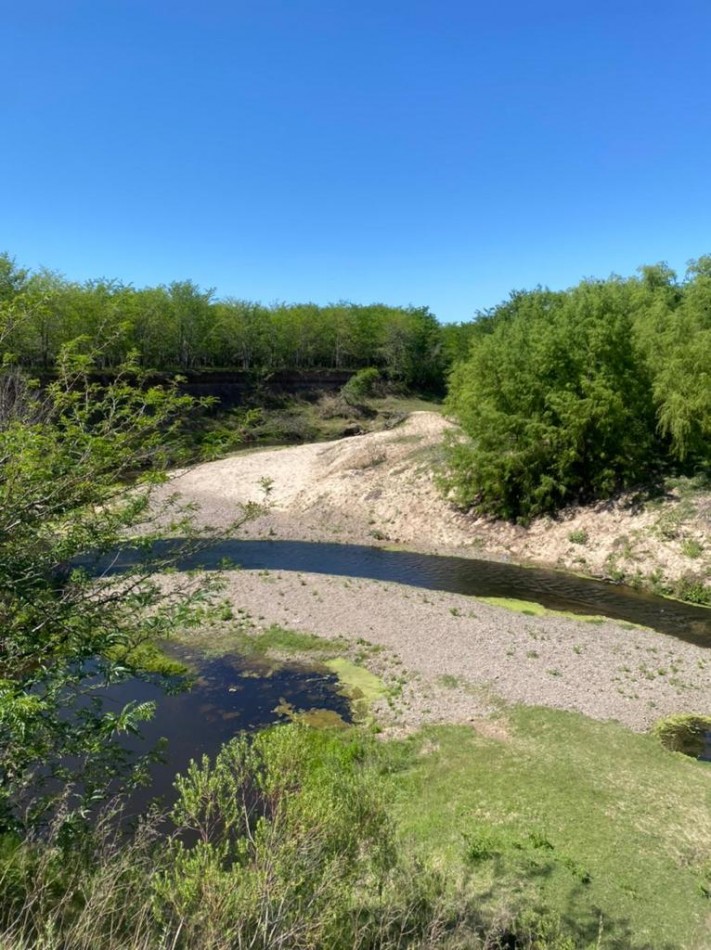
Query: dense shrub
[
  {"x": 573, "y": 396},
  {"x": 287, "y": 840},
  {"x": 362, "y": 385}
]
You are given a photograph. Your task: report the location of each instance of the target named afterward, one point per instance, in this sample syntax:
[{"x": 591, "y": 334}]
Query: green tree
[
  {"x": 12, "y": 278},
  {"x": 556, "y": 402},
  {"x": 675, "y": 333},
  {"x": 79, "y": 464}
]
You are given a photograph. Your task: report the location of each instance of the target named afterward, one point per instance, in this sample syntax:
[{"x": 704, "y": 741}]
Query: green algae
[
  {"x": 361, "y": 687},
  {"x": 316, "y": 718},
  {"x": 533, "y": 609}
]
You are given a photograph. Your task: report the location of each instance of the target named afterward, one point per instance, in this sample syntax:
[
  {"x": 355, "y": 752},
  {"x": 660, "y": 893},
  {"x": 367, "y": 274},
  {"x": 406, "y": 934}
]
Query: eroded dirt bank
[{"x": 379, "y": 488}]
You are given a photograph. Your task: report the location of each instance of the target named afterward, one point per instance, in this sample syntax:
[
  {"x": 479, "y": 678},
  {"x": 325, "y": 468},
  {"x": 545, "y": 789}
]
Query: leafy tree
[
  {"x": 181, "y": 327},
  {"x": 555, "y": 401},
  {"x": 676, "y": 336},
  {"x": 12, "y": 278},
  {"x": 424, "y": 368},
  {"x": 79, "y": 464}
]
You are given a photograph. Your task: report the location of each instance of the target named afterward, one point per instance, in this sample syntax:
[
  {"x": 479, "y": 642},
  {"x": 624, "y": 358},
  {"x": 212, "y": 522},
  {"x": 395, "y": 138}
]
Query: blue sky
[{"x": 405, "y": 151}]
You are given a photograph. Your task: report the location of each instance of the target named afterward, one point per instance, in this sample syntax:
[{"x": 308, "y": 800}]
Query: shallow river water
[{"x": 553, "y": 589}]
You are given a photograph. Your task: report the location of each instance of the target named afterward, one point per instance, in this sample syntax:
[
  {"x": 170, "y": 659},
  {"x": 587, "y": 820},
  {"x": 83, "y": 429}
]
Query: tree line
[
  {"x": 564, "y": 396},
  {"x": 290, "y": 840},
  {"x": 575, "y": 395},
  {"x": 181, "y": 327}
]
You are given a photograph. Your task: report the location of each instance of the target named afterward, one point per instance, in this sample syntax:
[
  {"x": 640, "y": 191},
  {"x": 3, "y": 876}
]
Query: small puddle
[
  {"x": 686, "y": 733},
  {"x": 705, "y": 754},
  {"x": 229, "y": 695}
]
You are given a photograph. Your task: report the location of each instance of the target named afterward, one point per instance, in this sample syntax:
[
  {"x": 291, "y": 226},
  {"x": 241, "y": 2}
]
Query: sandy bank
[
  {"x": 380, "y": 488},
  {"x": 452, "y": 658}
]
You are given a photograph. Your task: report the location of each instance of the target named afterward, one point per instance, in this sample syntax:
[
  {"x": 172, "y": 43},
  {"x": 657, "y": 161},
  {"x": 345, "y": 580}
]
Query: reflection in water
[
  {"x": 228, "y": 696},
  {"x": 553, "y": 589}
]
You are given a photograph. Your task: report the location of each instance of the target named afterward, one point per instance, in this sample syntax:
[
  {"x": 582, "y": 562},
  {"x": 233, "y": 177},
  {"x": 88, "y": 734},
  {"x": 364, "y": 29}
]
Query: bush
[
  {"x": 80, "y": 463},
  {"x": 556, "y": 406},
  {"x": 287, "y": 829},
  {"x": 684, "y": 732},
  {"x": 286, "y": 841},
  {"x": 362, "y": 385},
  {"x": 574, "y": 396}
]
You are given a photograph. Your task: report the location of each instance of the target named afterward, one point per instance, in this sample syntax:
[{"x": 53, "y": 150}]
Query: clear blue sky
[{"x": 405, "y": 151}]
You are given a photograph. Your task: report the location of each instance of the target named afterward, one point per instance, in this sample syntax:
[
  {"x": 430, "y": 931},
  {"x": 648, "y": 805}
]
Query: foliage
[
  {"x": 79, "y": 463},
  {"x": 180, "y": 327},
  {"x": 560, "y": 833},
  {"x": 362, "y": 385},
  {"x": 285, "y": 826},
  {"x": 568, "y": 397},
  {"x": 285, "y": 841},
  {"x": 693, "y": 588},
  {"x": 87, "y": 891}
]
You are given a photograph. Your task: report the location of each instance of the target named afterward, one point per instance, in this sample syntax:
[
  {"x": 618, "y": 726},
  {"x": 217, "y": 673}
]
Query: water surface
[
  {"x": 553, "y": 589},
  {"x": 229, "y": 696}
]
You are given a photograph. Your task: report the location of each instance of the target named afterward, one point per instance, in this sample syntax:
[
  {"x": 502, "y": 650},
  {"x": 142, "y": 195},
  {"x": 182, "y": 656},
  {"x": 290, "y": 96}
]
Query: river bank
[
  {"x": 449, "y": 658},
  {"x": 380, "y": 489},
  {"x": 452, "y": 658},
  {"x": 467, "y": 683}
]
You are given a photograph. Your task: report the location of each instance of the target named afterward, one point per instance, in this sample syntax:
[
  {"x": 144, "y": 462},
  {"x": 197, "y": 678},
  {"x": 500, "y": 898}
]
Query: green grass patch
[
  {"x": 609, "y": 829},
  {"x": 449, "y": 681},
  {"x": 406, "y": 404},
  {"x": 242, "y": 638},
  {"x": 293, "y": 420},
  {"x": 280, "y": 640}
]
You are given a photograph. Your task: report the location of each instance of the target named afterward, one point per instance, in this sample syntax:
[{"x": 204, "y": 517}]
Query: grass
[
  {"x": 149, "y": 658},
  {"x": 613, "y": 828},
  {"x": 605, "y": 827},
  {"x": 278, "y": 639},
  {"x": 449, "y": 681},
  {"x": 692, "y": 548},
  {"x": 242, "y": 638}
]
